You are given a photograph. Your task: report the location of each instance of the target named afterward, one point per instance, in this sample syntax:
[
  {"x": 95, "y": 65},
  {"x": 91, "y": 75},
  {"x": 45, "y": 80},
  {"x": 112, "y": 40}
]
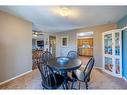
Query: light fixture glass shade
[
  {"x": 64, "y": 11},
  {"x": 34, "y": 35}
]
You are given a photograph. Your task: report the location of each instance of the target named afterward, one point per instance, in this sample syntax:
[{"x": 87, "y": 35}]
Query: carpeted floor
[
  {"x": 84, "y": 59},
  {"x": 99, "y": 80}
]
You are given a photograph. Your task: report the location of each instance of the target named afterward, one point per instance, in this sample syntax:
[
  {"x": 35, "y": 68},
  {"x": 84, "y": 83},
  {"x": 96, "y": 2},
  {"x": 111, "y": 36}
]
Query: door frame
[{"x": 84, "y": 38}]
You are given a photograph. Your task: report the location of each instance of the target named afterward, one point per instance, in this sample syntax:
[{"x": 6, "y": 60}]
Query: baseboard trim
[
  {"x": 15, "y": 77},
  {"x": 98, "y": 68},
  {"x": 111, "y": 74},
  {"x": 125, "y": 79}
]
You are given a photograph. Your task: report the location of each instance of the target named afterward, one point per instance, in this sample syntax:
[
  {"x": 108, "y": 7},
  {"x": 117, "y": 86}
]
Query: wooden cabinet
[
  {"x": 85, "y": 51},
  {"x": 88, "y": 41}
]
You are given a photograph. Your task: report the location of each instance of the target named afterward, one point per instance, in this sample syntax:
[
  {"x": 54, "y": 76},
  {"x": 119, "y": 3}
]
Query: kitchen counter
[{"x": 85, "y": 51}]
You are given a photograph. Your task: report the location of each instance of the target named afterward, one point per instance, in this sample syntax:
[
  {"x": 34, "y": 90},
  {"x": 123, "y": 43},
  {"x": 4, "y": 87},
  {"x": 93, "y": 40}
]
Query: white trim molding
[
  {"x": 98, "y": 68},
  {"x": 125, "y": 79},
  {"x": 95, "y": 67},
  {"x": 15, "y": 77},
  {"x": 124, "y": 28}
]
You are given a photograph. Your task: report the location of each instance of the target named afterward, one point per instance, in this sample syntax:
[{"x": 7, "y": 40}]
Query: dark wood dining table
[{"x": 70, "y": 66}]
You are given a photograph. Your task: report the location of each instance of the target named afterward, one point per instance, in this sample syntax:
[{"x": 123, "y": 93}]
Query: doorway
[
  {"x": 37, "y": 48},
  {"x": 85, "y": 46},
  {"x": 52, "y": 45}
]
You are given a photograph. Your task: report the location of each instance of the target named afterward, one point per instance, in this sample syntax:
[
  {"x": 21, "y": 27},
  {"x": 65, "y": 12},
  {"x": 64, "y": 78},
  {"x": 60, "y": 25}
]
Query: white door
[
  {"x": 118, "y": 53},
  {"x": 108, "y": 52},
  {"x": 112, "y": 63}
]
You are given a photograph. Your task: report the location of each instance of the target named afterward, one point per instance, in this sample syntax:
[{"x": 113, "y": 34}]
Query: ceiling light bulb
[
  {"x": 64, "y": 11},
  {"x": 34, "y": 35}
]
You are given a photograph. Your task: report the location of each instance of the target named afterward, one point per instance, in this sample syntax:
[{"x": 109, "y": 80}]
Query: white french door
[{"x": 112, "y": 53}]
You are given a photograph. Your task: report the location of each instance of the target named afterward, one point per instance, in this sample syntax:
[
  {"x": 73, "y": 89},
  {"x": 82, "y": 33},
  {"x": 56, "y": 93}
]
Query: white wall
[
  {"x": 72, "y": 43},
  {"x": 97, "y": 41},
  {"x": 15, "y": 46}
]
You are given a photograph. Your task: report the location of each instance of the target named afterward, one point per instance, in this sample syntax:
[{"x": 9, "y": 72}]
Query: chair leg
[
  {"x": 79, "y": 85},
  {"x": 63, "y": 86},
  {"x": 86, "y": 85},
  {"x": 72, "y": 85},
  {"x": 43, "y": 88}
]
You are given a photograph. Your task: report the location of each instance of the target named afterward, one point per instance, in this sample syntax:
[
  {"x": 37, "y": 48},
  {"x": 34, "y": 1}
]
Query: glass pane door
[
  {"x": 117, "y": 54},
  {"x": 117, "y": 66},
  {"x": 108, "y": 52},
  {"x": 112, "y": 59},
  {"x": 117, "y": 44},
  {"x": 108, "y": 44},
  {"x": 108, "y": 64}
]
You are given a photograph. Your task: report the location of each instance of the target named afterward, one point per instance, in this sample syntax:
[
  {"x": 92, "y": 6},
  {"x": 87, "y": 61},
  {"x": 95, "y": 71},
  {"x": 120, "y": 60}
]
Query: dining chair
[
  {"x": 72, "y": 54},
  {"x": 50, "y": 79},
  {"x": 46, "y": 56},
  {"x": 84, "y": 76},
  {"x": 36, "y": 57}
]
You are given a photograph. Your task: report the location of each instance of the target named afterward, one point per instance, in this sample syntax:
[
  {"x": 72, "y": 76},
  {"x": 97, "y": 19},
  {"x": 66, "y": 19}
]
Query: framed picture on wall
[{"x": 64, "y": 41}]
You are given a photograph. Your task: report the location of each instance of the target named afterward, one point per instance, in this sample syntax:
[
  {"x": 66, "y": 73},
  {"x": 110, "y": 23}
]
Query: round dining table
[{"x": 65, "y": 67}]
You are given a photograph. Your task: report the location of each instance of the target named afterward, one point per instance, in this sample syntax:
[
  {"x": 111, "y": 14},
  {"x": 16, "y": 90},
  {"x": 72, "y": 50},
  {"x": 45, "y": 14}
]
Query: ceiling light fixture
[
  {"x": 34, "y": 35},
  {"x": 64, "y": 11}
]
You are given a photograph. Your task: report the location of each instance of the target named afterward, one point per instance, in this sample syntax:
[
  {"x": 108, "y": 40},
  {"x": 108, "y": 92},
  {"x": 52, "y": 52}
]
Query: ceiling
[{"x": 45, "y": 18}]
